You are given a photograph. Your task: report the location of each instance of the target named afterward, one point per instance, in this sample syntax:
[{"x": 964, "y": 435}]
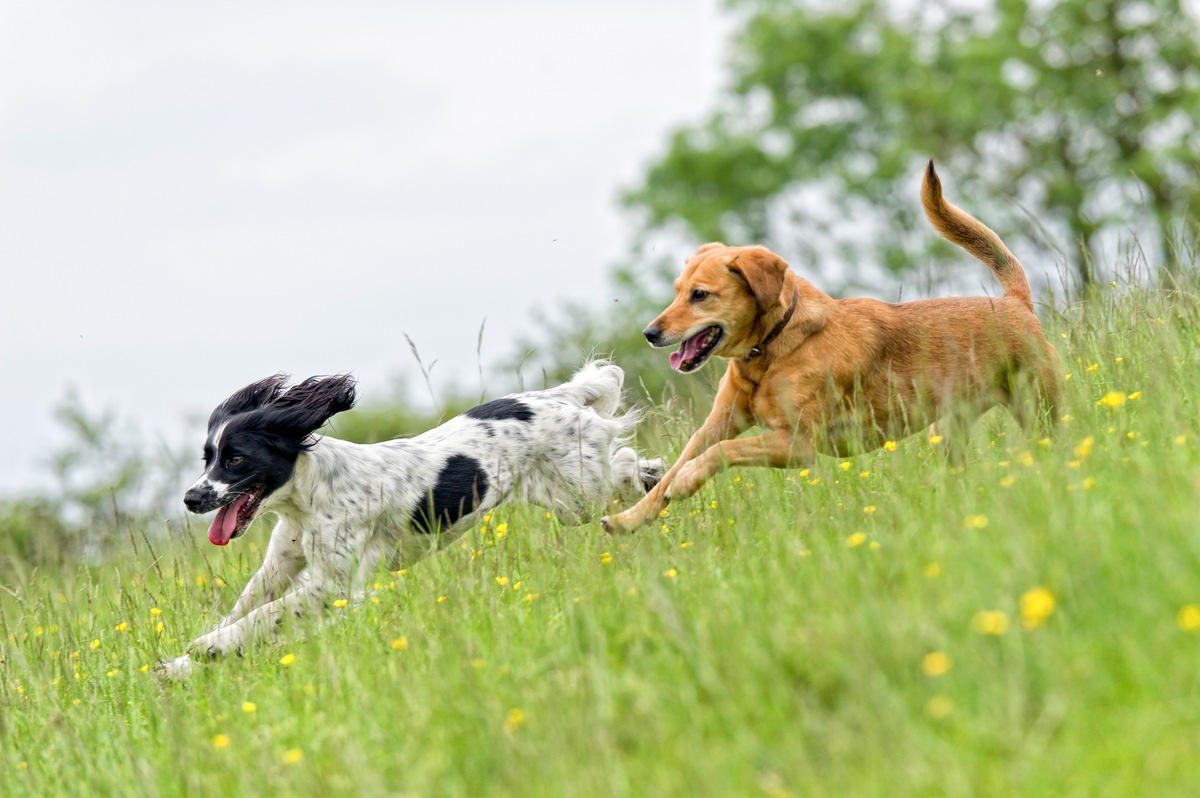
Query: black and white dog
[{"x": 342, "y": 506}]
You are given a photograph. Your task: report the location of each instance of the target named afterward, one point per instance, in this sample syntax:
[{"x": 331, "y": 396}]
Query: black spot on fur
[
  {"x": 460, "y": 485},
  {"x": 501, "y": 410}
]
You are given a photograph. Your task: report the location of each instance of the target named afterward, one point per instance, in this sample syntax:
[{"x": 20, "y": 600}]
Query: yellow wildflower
[
  {"x": 844, "y": 465},
  {"x": 400, "y": 643},
  {"x": 155, "y": 611},
  {"x": 514, "y": 720},
  {"x": 122, "y": 626},
  {"x": 889, "y": 446},
  {"x": 932, "y": 570},
  {"x": 1189, "y": 618},
  {"x": 287, "y": 659},
  {"x": 1093, "y": 367},
  {"x": 670, "y": 573},
  {"x": 934, "y": 440},
  {"x": 340, "y": 603},
  {"x": 1111, "y": 400},
  {"x": 293, "y": 756},
  {"x": 249, "y": 707},
  {"x": 869, "y": 509},
  {"x": 1133, "y": 397},
  {"x": 1036, "y": 606},
  {"x": 605, "y": 558},
  {"x": 856, "y": 540},
  {"x": 990, "y": 622},
  {"x": 1083, "y": 449},
  {"x": 939, "y": 707},
  {"x": 221, "y": 741},
  {"x": 96, "y": 644},
  {"x": 502, "y": 580},
  {"x": 978, "y": 521},
  {"x": 936, "y": 663}
]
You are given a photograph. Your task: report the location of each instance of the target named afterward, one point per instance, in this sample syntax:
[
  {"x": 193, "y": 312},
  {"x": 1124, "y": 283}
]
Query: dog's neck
[{"x": 774, "y": 332}]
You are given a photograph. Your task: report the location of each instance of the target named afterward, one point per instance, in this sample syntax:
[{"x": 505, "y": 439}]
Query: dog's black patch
[
  {"x": 501, "y": 410},
  {"x": 460, "y": 485}
]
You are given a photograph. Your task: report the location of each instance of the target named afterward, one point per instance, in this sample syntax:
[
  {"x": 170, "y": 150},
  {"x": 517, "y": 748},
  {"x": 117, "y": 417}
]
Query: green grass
[{"x": 771, "y": 637}]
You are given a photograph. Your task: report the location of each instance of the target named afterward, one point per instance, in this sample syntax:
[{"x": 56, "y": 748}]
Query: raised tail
[
  {"x": 597, "y": 385},
  {"x": 959, "y": 227}
]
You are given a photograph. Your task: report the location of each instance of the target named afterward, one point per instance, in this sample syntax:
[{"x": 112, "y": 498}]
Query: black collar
[{"x": 777, "y": 329}]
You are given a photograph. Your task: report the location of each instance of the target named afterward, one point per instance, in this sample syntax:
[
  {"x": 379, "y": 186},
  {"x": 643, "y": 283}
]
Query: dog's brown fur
[{"x": 842, "y": 376}]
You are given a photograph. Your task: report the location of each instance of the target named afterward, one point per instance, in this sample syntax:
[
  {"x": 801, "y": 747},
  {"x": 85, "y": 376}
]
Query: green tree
[{"x": 1081, "y": 114}]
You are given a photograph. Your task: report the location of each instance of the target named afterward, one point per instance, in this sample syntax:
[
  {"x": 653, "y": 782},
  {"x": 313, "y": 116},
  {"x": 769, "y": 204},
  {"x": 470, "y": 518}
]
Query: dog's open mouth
[
  {"x": 233, "y": 518},
  {"x": 695, "y": 350}
]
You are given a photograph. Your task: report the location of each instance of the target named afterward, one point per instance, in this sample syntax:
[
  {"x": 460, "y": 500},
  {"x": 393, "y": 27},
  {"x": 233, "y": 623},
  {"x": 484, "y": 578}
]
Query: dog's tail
[
  {"x": 597, "y": 385},
  {"x": 959, "y": 227}
]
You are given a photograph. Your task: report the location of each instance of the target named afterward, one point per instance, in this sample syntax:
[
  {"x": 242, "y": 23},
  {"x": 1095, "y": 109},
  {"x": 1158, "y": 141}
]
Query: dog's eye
[
  {"x": 236, "y": 460},
  {"x": 699, "y": 295}
]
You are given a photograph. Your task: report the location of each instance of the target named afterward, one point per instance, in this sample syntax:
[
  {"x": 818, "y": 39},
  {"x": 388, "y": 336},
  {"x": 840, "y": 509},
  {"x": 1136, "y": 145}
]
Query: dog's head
[
  {"x": 254, "y": 438},
  {"x": 719, "y": 299}
]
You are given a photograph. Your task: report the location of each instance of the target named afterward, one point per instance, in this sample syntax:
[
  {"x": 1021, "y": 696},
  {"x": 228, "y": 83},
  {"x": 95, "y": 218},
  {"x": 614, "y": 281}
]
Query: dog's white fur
[{"x": 347, "y": 505}]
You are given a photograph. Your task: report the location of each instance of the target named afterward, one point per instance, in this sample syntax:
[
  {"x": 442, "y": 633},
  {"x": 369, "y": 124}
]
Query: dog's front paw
[
  {"x": 622, "y": 523},
  {"x": 174, "y": 670},
  {"x": 216, "y": 643}
]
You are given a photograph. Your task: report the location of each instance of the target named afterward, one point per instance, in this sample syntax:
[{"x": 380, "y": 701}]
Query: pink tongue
[
  {"x": 223, "y": 526},
  {"x": 687, "y": 350}
]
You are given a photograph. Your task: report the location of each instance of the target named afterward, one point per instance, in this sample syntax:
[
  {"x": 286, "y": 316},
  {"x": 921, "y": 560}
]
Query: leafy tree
[{"x": 1082, "y": 111}]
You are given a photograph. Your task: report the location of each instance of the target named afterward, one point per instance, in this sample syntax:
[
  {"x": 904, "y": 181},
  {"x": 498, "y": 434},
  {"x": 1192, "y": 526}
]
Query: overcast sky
[{"x": 195, "y": 196}]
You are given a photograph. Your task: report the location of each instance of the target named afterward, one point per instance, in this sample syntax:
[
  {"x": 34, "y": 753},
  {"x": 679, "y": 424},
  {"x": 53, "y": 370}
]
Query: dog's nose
[
  {"x": 653, "y": 334},
  {"x": 199, "y": 499}
]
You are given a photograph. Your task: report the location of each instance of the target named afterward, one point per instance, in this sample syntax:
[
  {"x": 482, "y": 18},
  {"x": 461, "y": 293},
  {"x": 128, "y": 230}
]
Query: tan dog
[{"x": 843, "y": 376}]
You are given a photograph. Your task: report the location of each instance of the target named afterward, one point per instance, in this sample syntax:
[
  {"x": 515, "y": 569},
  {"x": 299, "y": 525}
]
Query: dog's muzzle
[{"x": 200, "y": 498}]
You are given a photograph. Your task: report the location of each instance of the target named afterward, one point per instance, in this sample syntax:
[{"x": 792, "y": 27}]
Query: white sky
[{"x": 195, "y": 196}]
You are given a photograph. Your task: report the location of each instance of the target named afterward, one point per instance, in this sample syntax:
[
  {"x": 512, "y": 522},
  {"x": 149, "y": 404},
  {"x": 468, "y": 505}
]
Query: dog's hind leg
[{"x": 635, "y": 476}]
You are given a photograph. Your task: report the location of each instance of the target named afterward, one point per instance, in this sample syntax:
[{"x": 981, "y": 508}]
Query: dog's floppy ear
[
  {"x": 303, "y": 408},
  {"x": 252, "y": 397},
  {"x": 762, "y": 270}
]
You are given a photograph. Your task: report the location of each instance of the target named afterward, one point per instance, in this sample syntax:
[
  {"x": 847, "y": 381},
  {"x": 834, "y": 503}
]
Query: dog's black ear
[
  {"x": 303, "y": 408},
  {"x": 762, "y": 270},
  {"x": 252, "y": 397}
]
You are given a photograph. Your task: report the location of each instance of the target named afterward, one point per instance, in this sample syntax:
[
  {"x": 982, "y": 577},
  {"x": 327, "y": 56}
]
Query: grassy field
[{"x": 891, "y": 625}]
